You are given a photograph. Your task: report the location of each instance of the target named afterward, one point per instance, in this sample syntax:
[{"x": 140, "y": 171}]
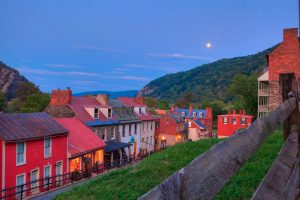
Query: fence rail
[{"x": 207, "y": 174}]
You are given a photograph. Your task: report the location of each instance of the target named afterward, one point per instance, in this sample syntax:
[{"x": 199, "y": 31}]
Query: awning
[{"x": 114, "y": 145}]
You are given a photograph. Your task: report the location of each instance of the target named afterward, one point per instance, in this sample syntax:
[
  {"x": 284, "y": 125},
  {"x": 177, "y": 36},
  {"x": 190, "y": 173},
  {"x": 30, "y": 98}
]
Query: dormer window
[
  {"x": 183, "y": 114},
  {"x": 146, "y": 110},
  {"x": 194, "y": 114},
  {"x": 200, "y": 114},
  {"x": 96, "y": 113},
  {"x": 140, "y": 110},
  {"x": 109, "y": 113}
]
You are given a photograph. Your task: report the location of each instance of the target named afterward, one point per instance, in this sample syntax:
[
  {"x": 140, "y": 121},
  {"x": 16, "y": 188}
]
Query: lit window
[
  {"x": 109, "y": 113},
  {"x": 200, "y": 114},
  {"x": 96, "y": 113},
  {"x": 183, "y": 114},
  {"x": 194, "y": 114},
  {"x": 21, "y": 159},
  {"x": 225, "y": 120},
  {"x": 47, "y": 147}
]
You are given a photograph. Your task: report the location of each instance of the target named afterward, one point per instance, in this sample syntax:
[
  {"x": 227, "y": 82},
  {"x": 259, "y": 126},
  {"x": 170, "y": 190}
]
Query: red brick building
[
  {"x": 285, "y": 58},
  {"x": 32, "y": 147},
  {"x": 232, "y": 122}
]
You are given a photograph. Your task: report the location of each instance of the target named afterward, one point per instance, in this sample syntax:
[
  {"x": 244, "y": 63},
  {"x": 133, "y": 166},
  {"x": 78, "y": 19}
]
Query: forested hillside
[{"x": 209, "y": 81}]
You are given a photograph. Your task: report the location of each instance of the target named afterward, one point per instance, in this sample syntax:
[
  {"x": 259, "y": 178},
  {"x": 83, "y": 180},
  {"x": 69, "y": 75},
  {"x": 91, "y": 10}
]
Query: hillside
[
  {"x": 209, "y": 81},
  {"x": 9, "y": 80},
  {"x": 113, "y": 95}
]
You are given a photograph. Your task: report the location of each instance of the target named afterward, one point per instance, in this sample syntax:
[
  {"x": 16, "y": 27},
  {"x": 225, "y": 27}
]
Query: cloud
[
  {"x": 54, "y": 73},
  {"x": 90, "y": 47},
  {"x": 63, "y": 66},
  {"x": 179, "y": 55},
  {"x": 134, "y": 78},
  {"x": 141, "y": 66}
]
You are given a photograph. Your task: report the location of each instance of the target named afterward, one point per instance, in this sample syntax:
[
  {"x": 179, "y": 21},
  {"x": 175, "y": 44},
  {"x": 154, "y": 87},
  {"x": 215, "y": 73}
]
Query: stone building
[{"x": 285, "y": 58}]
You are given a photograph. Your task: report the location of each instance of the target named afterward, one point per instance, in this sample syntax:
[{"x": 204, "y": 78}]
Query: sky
[{"x": 120, "y": 45}]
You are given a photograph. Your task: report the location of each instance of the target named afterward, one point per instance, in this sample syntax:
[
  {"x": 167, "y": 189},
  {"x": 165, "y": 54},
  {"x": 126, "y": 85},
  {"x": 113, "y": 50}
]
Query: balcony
[
  {"x": 262, "y": 108},
  {"x": 263, "y": 92}
]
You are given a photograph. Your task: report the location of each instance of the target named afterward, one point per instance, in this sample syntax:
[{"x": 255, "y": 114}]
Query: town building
[
  {"x": 147, "y": 122},
  {"x": 85, "y": 148},
  {"x": 33, "y": 148},
  {"x": 285, "y": 58},
  {"x": 198, "y": 121},
  {"x": 230, "y": 123}
]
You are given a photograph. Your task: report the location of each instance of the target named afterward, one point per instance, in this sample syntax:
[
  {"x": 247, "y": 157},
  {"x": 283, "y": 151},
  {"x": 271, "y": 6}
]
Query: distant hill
[
  {"x": 209, "y": 81},
  {"x": 113, "y": 95},
  {"x": 9, "y": 80}
]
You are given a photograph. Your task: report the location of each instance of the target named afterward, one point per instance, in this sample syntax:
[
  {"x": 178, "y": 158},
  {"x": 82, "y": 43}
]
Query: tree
[
  {"x": 163, "y": 104},
  {"x": 2, "y": 101},
  {"x": 245, "y": 89},
  {"x": 218, "y": 107},
  {"x": 185, "y": 100},
  {"x": 150, "y": 102},
  {"x": 36, "y": 102}
]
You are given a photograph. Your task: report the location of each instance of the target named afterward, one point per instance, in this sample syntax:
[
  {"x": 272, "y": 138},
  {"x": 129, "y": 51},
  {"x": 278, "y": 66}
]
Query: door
[
  {"x": 34, "y": 183},
  {"x": 58, "y": 171}
]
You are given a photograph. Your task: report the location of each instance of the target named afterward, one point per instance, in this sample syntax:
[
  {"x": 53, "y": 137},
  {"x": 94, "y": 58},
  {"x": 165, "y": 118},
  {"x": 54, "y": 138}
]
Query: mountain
[
  {"x": 209, "y": 81},
  {"x": 9, "y": 80},
  {"x": 113, "y": 95}
]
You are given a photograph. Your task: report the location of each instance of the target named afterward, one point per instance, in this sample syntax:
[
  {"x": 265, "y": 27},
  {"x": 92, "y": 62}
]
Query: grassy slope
[
  {"x": 245, "y": 182},
  {"x": 133, "y": 182}
]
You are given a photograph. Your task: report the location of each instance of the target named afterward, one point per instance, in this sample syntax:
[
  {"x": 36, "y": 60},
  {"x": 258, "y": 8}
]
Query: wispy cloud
[
  {"x": 55, "y": 73},
  {"x": 83, "y": 82},
  {"x": 142, "y": 66},
  {"x": 179, "y": 55},
  {"x": 63, "y": 66},
  {"x": 91, "y": 47},
  {"x": 134, "y": 78}
]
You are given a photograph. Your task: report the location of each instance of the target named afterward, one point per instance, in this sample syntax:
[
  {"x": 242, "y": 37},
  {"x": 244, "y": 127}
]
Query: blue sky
[{"x": 123, "y": 44}]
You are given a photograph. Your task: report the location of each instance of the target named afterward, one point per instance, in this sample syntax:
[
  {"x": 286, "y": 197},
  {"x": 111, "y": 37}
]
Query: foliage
[
  {"x": 247, "y": 179},
  {"x": 185, "y": 100},
  {"x": 132, "y": 182},
  {"x": 245, "y": 88},
  {"x": 218, "y": 107},
  {"x": 28, "y": 99},
  {"x": 209, "y": 81},
  {"x": 156, "y": 104},
  {"x": 2, "y": 101}
]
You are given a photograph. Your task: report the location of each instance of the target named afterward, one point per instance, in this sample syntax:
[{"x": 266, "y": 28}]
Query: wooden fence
[{"x": 206, "y": 175}]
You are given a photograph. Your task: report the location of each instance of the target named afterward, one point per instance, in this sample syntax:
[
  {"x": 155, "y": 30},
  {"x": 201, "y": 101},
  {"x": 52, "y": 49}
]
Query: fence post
[{"x": 287, "y": 83}]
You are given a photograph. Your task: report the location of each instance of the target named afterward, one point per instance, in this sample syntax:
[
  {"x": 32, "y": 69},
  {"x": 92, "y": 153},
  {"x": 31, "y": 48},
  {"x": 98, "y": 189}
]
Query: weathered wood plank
[
  {"x": 281, "y": 181},
  {"x": 206, "y": 175}
]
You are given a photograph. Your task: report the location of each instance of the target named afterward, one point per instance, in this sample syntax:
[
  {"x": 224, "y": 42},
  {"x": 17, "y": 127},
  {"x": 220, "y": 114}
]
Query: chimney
[
  {"x": 103, "y": 99},
  {"x": 290, "y": 38},
  {"x": 172, "y": 108},
  {"x": 191, "y": 109},
  {"x": 140, "y": 100},
  {"x": 61, "y": 97}
]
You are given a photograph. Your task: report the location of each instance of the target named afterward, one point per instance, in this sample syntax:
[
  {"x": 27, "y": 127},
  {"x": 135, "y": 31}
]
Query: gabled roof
[
  {"x": 199, "y": 124},
  {"x": 177, "y": 117},
  {"x": 123, "y": 113},
  {"x": 78, "y": 103},
  {"x": 130, "y": 102},
  {"x": 27, "y": 126},
  {"x": 81, "y": 139},
  {"x": 264, "y": 77},
  {"x": 190, "y": 115}
]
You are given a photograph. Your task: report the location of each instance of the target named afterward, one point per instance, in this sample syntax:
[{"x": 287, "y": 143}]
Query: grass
[
  {"x": 134, "y": 181},
  {"x": 248, "y": 178}
]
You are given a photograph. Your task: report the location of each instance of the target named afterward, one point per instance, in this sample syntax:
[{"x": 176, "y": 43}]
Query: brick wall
[
  {"x": 61, "y": 97},
  {"x": 274, "y": 95}
]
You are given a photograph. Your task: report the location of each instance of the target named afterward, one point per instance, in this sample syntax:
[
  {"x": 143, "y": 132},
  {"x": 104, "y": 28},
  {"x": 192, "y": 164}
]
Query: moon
[{"x": 208, "y": 45}]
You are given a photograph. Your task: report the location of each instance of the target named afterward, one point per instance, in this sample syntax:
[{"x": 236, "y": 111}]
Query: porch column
[{"x": 111, "y": 157}]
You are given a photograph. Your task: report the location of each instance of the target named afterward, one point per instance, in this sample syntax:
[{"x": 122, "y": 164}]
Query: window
[
  {"x": 96, "y": 113},
  {"x": 194, "y": 114},
  {"x": 20, "y": 185},
  {"x": 200, "y": 114},
  {"x": 58, "y": 173},
  {"x": 147, "y": 141},
  {"x": 233, "y": 120},
  {"x": 146, "y": 110},
  {"x": 147, "y": 126},
  {"x": 47, "y": 175},
  {"x": 34, "y": 183},
  {"x": 143, "y": 126},
  {"x": 167, "y": 120},
  {"x": 150, "y": 139},
  {"x": 103, "y": 134},
  {"x": 243, "y": 121},
  {"x": 183, "y": 114},
  {"x": 123, "y": 131},
  {"x": 113, "y": 133},
  {"x": 135, "y": 129},
  {"x": 151, "y": 126},
  {"x": 140, "y": 110},
  {"x": 225, "y": 120},
  {"x": 47, "y": 147},
  {"x": 109, "y": 113},
  {"x": 129, "y": 129},
  {"x": 21, "y": 157}
]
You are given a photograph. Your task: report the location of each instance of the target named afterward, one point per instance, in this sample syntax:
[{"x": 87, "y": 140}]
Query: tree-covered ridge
[{"x": 209, "y": 81}]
